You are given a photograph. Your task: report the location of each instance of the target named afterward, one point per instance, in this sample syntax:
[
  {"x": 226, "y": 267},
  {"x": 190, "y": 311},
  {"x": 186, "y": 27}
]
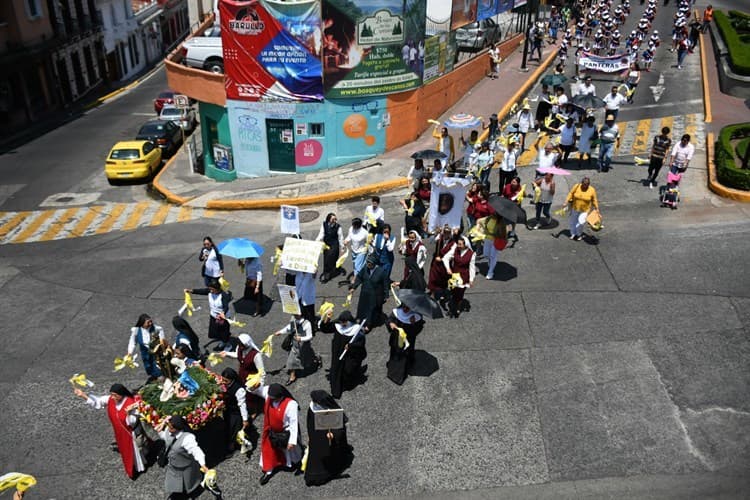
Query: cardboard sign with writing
[{"x": 301, "y": 255}]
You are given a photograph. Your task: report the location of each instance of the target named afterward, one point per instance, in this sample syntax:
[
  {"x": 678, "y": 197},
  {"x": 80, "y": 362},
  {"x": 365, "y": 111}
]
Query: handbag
[
  {"x": 286, "y": 344},
  {"x": 279, "y": 440},
  {"x": 163, "y": 457}
]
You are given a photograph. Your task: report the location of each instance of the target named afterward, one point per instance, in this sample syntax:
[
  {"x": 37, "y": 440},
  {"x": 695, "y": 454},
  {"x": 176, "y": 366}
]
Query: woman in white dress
[{"x": 588, "y": 133}]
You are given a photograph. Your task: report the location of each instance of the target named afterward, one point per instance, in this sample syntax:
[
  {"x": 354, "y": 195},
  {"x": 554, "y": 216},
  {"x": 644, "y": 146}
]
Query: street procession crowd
[{"x": 453, "y": 217}]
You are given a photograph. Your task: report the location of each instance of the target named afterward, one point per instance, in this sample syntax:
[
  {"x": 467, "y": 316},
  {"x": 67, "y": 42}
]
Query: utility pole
[{"x": 530, "y": 5}]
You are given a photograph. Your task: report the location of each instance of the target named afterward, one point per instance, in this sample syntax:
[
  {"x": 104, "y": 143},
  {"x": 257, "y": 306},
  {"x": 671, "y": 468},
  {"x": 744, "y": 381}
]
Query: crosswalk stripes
[{"x": 76, "y": 222}]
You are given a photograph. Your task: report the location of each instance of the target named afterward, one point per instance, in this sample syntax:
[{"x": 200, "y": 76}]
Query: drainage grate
[{"x": 308, "y": 215}]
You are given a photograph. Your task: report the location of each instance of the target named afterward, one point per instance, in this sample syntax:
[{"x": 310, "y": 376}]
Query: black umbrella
[
  {"x": 421, "y": 303},
  {"x": 507, "y": 209},
  {"x": 429, "y": 154},
  {"x": 513, "y": 128},
  {"x": 554, "y": 80},
  {"x": 588, "y": 101}
]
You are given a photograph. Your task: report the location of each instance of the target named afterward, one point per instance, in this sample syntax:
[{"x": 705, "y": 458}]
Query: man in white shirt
[
  {"x": 613, "y": 101},
  {"x": 560, "y": 101},
  {"x": 587, "y": 87},
  {"x": 682, "y": 153}
]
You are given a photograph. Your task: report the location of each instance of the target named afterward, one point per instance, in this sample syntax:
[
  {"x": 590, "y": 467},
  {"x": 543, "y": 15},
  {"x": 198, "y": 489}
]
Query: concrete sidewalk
[{"x": 179, "y": 185}]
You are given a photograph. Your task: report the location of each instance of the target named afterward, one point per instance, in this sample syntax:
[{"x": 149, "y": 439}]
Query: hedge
[
  {"x": 739, "y": 52},
  {"x": 727, "y": 170}
]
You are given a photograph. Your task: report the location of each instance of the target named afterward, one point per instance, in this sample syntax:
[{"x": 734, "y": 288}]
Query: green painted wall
[{"x": 214, "y": 130}]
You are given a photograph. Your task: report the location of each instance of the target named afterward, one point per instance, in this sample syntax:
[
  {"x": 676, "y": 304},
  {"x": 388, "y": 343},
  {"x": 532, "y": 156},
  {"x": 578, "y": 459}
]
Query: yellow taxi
[{"x": 132, "y": 160}]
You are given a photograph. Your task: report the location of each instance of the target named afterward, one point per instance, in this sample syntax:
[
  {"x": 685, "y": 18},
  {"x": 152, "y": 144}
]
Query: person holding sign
[
  {"x": 301, "y": 355},
  {"x": 371, "y": 298},
  {"x": 329, "y": 451}
]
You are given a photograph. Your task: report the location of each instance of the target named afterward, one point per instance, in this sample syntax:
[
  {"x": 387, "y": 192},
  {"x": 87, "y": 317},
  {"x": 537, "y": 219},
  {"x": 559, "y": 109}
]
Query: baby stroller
[{"x": 669, "y": 195}]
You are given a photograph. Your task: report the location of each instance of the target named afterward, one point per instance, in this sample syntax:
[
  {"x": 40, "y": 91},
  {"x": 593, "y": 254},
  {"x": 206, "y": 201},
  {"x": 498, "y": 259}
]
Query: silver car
[
  {"x": 184, "y": 118},
  {"x": 477, "y": 35}
]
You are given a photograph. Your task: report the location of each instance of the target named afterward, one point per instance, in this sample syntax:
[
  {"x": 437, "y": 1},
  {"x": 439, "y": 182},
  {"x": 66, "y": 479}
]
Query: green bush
[
  {"x": 739, "y": 52},
  {"x": 727, "y": 170},
  {"x": 741, "y": 148}
]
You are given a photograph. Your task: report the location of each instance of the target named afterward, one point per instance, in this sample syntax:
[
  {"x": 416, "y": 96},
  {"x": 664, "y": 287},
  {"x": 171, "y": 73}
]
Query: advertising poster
[
  {"x": 372, "y": 47},
  {"x": 440, "y": 52},
  {"x": 504, "y": 5},
  {"x": 272, "y": 54},
  {"x": 487, "y": 8},
  {"x": 463, "y": 13}
]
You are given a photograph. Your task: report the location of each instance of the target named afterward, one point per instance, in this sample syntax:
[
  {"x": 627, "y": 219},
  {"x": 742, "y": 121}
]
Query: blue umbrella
[{"x": 240, "y": 248}]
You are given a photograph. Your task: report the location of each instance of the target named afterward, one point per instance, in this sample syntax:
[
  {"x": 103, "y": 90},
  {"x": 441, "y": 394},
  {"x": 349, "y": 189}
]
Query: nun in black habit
[
  {"x": 329, "y": 453},
  {"x": 402, "y": 344},
  {"x": 348, "y": 341},
  {"x": 370, "y": 305}
]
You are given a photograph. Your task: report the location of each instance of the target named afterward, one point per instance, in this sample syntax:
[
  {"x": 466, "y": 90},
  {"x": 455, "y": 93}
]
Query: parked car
[
  {"x": 204, "y": 52},
  {"x": 132, "y": 160},
  {"x": 165, "y": 97},
  {"x": 165, "y": 134},
  {"x": 477, "y": 35},
  {"x": 184, "y": 118}
]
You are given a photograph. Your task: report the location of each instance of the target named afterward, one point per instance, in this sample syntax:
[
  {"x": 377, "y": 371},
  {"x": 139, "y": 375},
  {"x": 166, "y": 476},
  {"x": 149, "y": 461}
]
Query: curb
[
  {"x": 523, "y": 90},
  {"x": 713, "y": 183},
  {"x": 134, "y": 83},
  {"x": 704, "y": 73},
  {"x": 378, "y": 187}
]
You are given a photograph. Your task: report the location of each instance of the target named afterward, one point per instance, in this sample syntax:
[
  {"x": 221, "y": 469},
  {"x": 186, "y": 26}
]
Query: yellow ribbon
[
  {"x": 434, "y": 122},
  {"x": 189, "y": 307},
  {"x": 340, "y": 261},
  {"x": 547, "y": 121},
  {"x": 234, "y": 322},
  {"x": 214, "y": 359},
  {"x": 209, "y": 479},
  {"x": 303, "y": 465},
  {"x": 127, "y": 362},
  {"x": 224, "y": 284},
  {"x": 403, "y": 343},
  {"x": 21, "y": 482},
  {"x": 276, "y": 261},
  {"x": 80, "y": 379},
  {"x": 267, "y": 347},
  {"x": 243, "y": 441},
  {"x": 537, "y": 193},
  {"x": 348, "y": 301},
  {"x": 641, "y": 161},
  {"x": 253, "y": 380},
  {"x": 455, "y": 281},
  {"x": 562, "y": 211}
]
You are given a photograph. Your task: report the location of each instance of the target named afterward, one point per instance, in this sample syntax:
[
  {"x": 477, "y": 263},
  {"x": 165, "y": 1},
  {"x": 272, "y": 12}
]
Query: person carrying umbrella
[
  {"x": 403, "y": 326},
  {"x": 460, "y": 260}
]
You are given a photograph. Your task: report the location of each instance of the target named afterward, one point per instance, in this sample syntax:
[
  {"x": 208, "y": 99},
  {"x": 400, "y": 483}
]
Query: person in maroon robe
[
  {"x": 460, "y": 259},
  {"x": 438, "y": 280}
]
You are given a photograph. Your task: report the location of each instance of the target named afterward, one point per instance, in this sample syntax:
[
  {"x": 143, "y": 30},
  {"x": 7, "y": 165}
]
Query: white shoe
[
  {"x": 537, "y": 226},
  {"x": 489, "y": 276},
  {"x": 572, "y": 236},
  {"x": 650, "y": 186}
]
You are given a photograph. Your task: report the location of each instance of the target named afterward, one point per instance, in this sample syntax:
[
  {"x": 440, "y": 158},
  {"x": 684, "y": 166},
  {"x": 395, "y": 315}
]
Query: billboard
[
  {"x": 487, "y": 8},
  {"x": 504, "y": 5},
  {"x": 463, "y": 13},
  {"x": 272, "y": 50},
  {"x": 372, "y": 47},
  {"x": 440, "y": 52}
]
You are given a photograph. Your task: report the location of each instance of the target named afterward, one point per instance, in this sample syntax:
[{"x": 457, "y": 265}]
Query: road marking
[
  {"x": 135, "y": 216},
  {"x": 160, "y": 216},
  {"x": 185, "y": 213},
  {"x": 15, "y": 221},
  {"x": 106, "y": 226},
  {"x": 85, "y": 222},
  {"x": 33, "y": 225},
  {"x": 144, "y": 114},
  {"x": 641, "y": 137},
  {"x": 658, "y": 89},
  {"x": 58, "y": 224},
  {"x": 666, "y": 122}
]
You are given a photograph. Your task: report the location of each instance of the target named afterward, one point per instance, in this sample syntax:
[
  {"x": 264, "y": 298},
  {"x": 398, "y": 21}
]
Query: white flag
[{"x": 289, "y": 219}]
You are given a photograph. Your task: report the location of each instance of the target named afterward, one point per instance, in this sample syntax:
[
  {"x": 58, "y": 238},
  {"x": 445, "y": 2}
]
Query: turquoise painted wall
[{"x": 214, "y": 129}]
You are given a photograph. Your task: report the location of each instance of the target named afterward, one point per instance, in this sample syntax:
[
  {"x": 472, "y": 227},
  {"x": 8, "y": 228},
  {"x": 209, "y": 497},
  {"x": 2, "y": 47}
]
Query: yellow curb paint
[
  {"x": 13, "y": 223},
  {"x": 713, "y": 182},
  {"x": 105, "y": 226},
  {"x": 33, "y": 227},
  {"x": 59, "y": 224},
  {"x": 704, "y": 74},
  {"x": 185, "y": 214},
  {"x": 161, "y": 215},
  {"x": 85, "y": 222},
  {"x": 169, "y": 195},
  {"x": 640, "y": 142},
  {"x": 135, "y": 216},
  {"x": 691, "y": 125}
]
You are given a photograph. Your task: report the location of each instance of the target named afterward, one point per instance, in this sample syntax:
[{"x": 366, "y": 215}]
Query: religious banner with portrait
[
  {"x": 372, "y": 47},
  {"x": 447, "y": 202}
]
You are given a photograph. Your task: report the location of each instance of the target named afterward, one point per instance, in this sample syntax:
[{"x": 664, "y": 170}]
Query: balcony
[{"x": 198, "y": 84}]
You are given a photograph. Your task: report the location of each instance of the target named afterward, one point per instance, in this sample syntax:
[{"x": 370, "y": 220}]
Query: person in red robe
[
  {"x": 279, "y": 447},
  {"x": 460, "y": 259},
  {"x": 119, "y": 405},
  {"x": 438, "y": 281}
]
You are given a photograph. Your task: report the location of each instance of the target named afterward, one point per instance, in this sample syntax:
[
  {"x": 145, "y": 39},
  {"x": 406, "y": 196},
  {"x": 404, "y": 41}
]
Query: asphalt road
[
  {"x": 70, "y": 159},
  {"x": 610, "y": 368}
]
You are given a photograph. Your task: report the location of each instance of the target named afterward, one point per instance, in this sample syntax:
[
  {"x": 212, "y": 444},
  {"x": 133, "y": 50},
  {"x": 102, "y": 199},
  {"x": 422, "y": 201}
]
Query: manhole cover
[
  {"x": 308, "y": 215},
  {"x": 64, "y": 199}
]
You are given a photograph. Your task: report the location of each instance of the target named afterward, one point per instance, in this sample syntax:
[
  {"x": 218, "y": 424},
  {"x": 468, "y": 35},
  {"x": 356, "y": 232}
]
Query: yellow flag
[
  {"x": 21, "y": 482},
  {"x": 224, "y": 284},
  {"x": 455, "y": 281},
  {"x": 189, "y": 304},
  {"x": 348, "y": 301},
  {"x": 209, "y": 479},
  {"x": 214, "y": 359},
  {"x": 267, "y": 347},
  {"x": 303, "y": 466},
  {"x": 234, "y": 322},
  {"x": 276, "y": 261},
  {"x": 403, "y": 343},
  {"x": 80, "y": 379},
  {"x": 253, "y": 380},
  {"x": 395, "y": 297},
  {"x": 562, "y": 211},
  {"x": 127, "y": 362},
  {"x": 340, "y": 261},
  {"x": 640, "y": 161},
  {"x": 325, "y": 308}
]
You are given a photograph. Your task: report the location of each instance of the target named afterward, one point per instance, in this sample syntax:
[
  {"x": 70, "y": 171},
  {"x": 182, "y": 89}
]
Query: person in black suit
[{"x": 371, "y": 298}]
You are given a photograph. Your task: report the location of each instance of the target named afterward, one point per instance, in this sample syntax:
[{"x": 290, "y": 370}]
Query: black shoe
[
  {"x": 290, "y": 381},
  {"x": 265, "y": 478}
]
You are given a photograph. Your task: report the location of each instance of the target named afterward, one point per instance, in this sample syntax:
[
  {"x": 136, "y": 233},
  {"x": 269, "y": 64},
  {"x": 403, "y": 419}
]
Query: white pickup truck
[{"x": 204, "y": 52}]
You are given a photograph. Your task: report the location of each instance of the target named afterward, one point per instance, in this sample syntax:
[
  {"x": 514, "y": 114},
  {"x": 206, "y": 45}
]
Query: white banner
[
  {"x": 447, "y": 202},
  {"x": 289, "y": 299},
  {"x": 289, "y": 219},
  {"x": 612, "y": 64},
  {"x": 301, "y": 255}
]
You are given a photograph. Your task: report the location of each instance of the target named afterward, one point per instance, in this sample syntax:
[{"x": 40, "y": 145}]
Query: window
[
  {"x": 147, "y": 148},
  {"x": 33, "y": 9},
  {"x": 134, "y": 43},
  {"x": 317, "y": 130}
]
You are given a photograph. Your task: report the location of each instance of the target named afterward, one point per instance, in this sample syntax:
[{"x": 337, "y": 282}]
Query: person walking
[
  {"x": 581, "y": 199},
  {"x": 612, "y": 102},
  {"x": 253, "y": 283},
  {"x": 329, "y": 452},
  {"x": 213, "y": 264},
  {"x": 494, "y": 234},
  {"x": 348, "y": 351},
  {"x": 306, "y": 292},
  {"x": 235, "y": 416},
  {"x": 460, "y": 259},
  {"x": 280, "y": 439},
  {"x": 683, "y": 45},
  {"x": 249, "y": 362},
  {"x": 402, "y": 349},
  {"x": 546, "y": 185},
  {"x": 356, "y": 239},
  {"x": 507, "y": 170},
  {"x": 708, "y": 16},
  {"x": 372, "y": 296},
  {"x": 148, "y": 338},
  {"x": 588, "y": 134},
  {"x": 218, "y": 309},
  {"x": 331, "y": 234},
  {"x": 587, "y": 87},
  {"x": 383, "y": 245},
  {"x": 125, "y": 422},
  {"x": 568, "y": 138},
  {"x": 185, "y": 459},
  {"x": 682, "y": 153},
  {"x": 525, "y": 123},
  {"x": 659, "y": 150},
  {"x": 301, "y": 356},
  {"x": 609, "y": 136}
]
